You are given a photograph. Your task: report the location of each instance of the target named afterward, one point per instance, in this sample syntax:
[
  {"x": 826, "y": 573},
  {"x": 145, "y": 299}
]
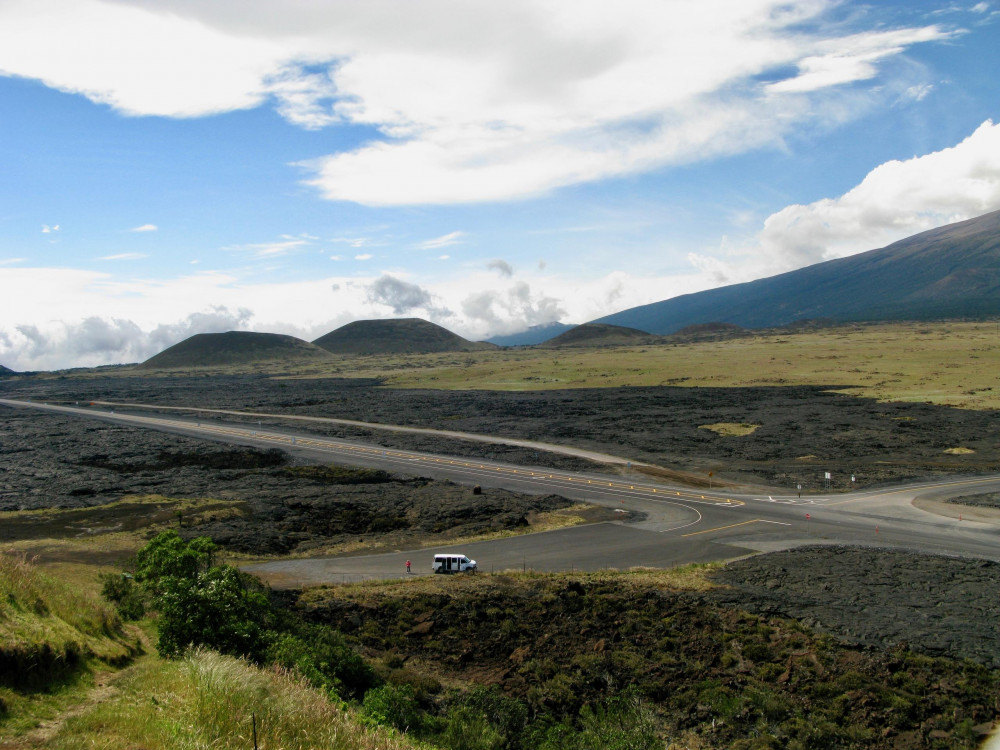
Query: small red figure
[{"x": 407, "y": 566}]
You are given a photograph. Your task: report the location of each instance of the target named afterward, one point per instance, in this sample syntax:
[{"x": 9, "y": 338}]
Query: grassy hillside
[
  {"x": 53, "y": 634},
  {"x": 408, "y": 335},
  {"x": 558, "y": 648},
  {"x": 599, "y": 334},
  {"x": 233, "y": 348},
  {"x": 208, "y": 700}
]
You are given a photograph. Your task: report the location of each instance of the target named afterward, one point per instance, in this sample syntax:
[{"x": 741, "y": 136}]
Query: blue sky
[{"x": 177, "y": 167}]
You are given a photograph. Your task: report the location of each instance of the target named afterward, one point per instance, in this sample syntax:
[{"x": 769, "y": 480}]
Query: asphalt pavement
[{"x": 678, "y": 525}]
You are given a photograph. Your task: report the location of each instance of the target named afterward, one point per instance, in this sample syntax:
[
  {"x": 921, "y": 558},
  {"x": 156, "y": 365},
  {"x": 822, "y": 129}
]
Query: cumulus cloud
[
  {"x": 895, "y": 200},
  {"x": 98, "y": 340},
  {"x": 513, "y": 309},
  {"x": 145, "y": 228},
  {"x": 501, "y": 266},
  {"x": 41, "y": 326},
  {"x": 46, "y": 229},
  {"x": 402, "y": 296},
  {"x": 473, "y": 101},
  {"x": 363, "y": 256}
]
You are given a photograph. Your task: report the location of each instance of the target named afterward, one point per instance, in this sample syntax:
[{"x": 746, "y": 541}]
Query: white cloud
[
  {"x": 853, "y": 58},
  {"x": 895, "y": 200},
  {"x": 363, "y": 256},
  {"x": 474, "y": 101},
  {"x": 46, "y": 229},
  {"x": 287, "y": 244},
  {"x": 452, "y": 238},
  {"x": 145, "y": 228},
  {"x": 41, "y": 325},
  {"x": 11, "y": 261},
  {"x": 353, "y": 241},
  {"x": 124, "y": 256}
]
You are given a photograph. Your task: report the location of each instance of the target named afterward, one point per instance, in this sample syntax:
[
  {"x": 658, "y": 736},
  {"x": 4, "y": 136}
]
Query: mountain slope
[
  {"x": 5, "y": 371},
  {"x": 951, "y": 271},
  {"x": 233, "y": 348},
  {"x": 402, "y": 336},
  {"x": 530, "y": 336}
]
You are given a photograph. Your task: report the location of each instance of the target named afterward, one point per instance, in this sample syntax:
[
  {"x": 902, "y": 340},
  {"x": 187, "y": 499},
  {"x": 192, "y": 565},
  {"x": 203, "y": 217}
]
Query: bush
[
  {"x": 394, "y": 706},
  {"x": 168, "y": 556},
  {"x": 221, "y": 608},
  {"x": 121, "y": 590},
  {"x": 323, "y": 657}
]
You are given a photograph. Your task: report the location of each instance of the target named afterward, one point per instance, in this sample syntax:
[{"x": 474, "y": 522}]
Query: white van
[{"x": 453, "y": 564}]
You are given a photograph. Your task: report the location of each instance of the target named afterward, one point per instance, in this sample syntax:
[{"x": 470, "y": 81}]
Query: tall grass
[
  {"x": 207, "y": 700},
  {"x": 49, "y": 628}
]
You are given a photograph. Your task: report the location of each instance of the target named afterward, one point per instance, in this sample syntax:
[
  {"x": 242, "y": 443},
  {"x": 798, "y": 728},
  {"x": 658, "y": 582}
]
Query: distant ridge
[
  {"x": 233, "y": 348},
  {"x": 6, "y": 371},
  {"x": 599, "y": 334},
  {"x": 398, "y": 336},
  {"x": 948, "y": 272},
  {"x": 531, "y": 336}
]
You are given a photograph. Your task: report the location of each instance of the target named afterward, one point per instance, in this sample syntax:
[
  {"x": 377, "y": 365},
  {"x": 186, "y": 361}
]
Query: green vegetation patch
[
  {"x": 565, "y": 647},
  {"x": 53, "y": 632},
  {"x": 209, "y": 700}
]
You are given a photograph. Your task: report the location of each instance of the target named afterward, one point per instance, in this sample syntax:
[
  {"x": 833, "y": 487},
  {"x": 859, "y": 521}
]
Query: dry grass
[
  {"x": 731, "y": 429},
  {"x": 105, "y": 534},
  {"x": 692, "y": 577},
  {"x": 206, "y": 700},
  {"x": 956, "y": 363}
]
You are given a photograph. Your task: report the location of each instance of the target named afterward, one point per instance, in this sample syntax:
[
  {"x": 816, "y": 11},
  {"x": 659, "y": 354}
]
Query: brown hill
[
  {"x": 233, "y": 348},
  {"x": 600, "y": 334},
  {"x": 399, "y": 336}
]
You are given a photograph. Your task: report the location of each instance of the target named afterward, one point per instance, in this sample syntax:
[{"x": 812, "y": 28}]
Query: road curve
[
  {"x": 678, "y": 524},
  {"x": 565, "y": 450}
]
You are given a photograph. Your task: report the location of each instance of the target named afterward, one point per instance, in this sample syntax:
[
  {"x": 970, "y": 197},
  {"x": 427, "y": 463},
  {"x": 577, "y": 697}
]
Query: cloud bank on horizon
[{"x": 562, "y": 153}]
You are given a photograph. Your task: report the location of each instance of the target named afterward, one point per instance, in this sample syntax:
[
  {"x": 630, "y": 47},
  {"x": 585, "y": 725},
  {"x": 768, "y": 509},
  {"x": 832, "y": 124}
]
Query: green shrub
[
  {"x": 324, "y": 658},
  {"x": 394, "y": 706},
  {"x": 121, "y": 590},
  {"x": 470, "y": 729},
  {"x": 168, "y": 556},
  {"x": 221, "y": 608}
]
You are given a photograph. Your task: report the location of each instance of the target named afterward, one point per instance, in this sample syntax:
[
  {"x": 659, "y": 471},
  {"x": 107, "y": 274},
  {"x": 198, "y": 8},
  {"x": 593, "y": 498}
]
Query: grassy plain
[{"x": 954, "y": 363}]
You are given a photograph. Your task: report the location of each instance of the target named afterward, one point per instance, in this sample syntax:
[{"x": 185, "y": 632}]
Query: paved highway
[{"x": 678, "y": 525}]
